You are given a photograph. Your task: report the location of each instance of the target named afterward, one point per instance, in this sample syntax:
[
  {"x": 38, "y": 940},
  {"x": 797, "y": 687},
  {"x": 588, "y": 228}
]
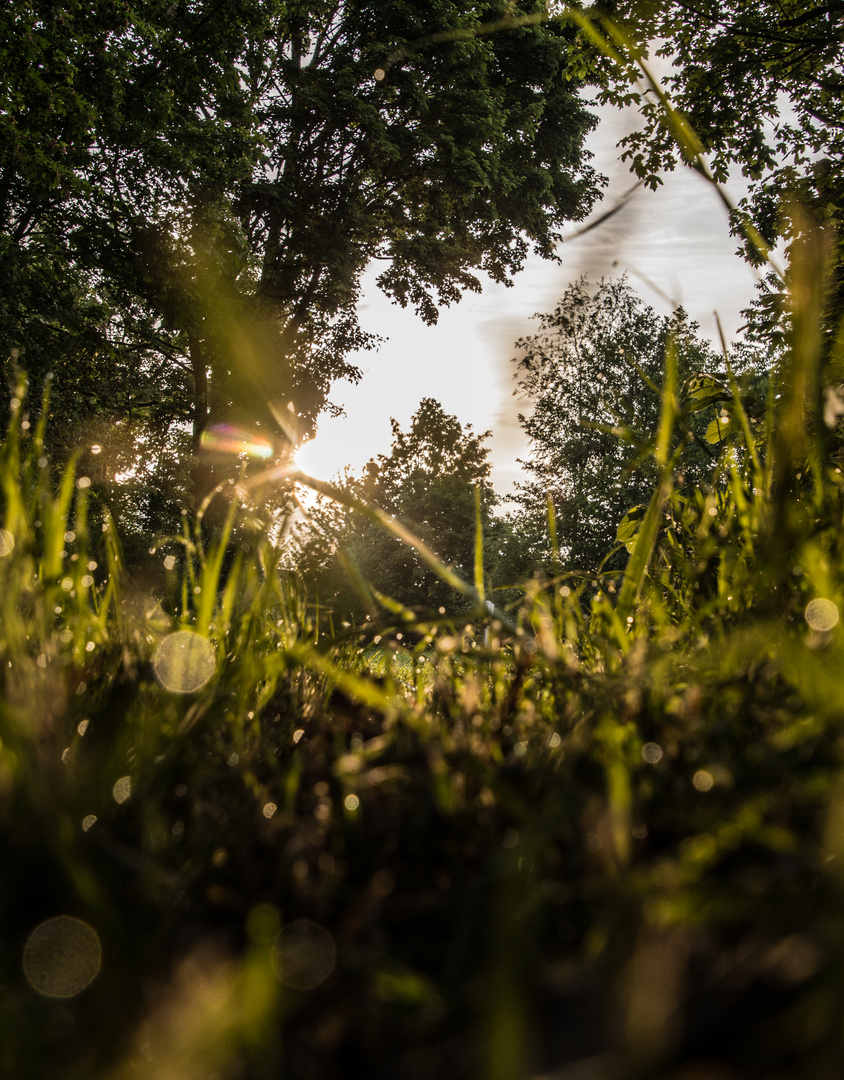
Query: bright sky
[{"x": 677, "y": 238}]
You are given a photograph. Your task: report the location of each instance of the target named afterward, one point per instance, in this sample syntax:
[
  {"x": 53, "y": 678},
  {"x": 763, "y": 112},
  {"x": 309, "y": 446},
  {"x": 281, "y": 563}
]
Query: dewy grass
[
  {"x": 606, "y": 832},
  {"x": 602, "y": 831}
]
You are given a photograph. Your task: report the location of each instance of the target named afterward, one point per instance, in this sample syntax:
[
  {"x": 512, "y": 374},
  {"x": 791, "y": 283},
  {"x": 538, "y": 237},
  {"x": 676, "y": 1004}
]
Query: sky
[{"x": 673, "y": 241}]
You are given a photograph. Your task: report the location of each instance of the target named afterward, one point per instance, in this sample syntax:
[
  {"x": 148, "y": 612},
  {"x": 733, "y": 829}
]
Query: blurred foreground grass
[{"x": 601, "y": 836}]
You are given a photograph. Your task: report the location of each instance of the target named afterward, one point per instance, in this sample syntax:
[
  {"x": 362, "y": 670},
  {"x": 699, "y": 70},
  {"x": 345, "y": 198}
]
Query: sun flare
[{"x": 320, "y": 458}]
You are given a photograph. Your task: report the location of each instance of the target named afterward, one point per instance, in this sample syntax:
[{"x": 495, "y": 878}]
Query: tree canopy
[
  {"x": 189, "y": 193},
  {"x": 762, "y": 87},
  {"x": 427, "y": 482},
  {"x": 586, "y": 374}
]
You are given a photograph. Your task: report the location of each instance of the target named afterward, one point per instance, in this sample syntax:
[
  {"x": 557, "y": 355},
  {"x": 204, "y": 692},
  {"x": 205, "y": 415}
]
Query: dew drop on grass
[
  {"x": 184, "y": 662},
  {"x": 304, "y": 955},
  {"x": 62, "y": 957},
  {"x": 821, "y": 614}
]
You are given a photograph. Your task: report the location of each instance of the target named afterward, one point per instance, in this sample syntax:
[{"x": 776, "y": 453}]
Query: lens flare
[
  {"x": 821, "y": 614},
  {"x": 122, "y": 789},
  {"x": 223, "y": 439},
  {"x": 304, "y": 955},
  {"x": 184, "y": 662},
  {"x": 703, "y": 780},
  {"x": 62, "y": 957}
]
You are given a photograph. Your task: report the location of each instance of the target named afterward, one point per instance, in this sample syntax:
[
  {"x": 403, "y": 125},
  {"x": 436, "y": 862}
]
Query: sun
[{"x": 319, "y": 457}]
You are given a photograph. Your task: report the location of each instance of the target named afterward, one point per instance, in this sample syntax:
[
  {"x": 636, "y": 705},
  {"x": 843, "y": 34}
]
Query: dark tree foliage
[
  {"x": 428, "y": 483},
  {"x": 584, "y": 373},
  {"x": 190, "y": 192},
  {"x": 762, "y": 86}
]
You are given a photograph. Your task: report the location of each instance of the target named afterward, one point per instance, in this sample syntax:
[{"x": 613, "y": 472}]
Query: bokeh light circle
[
  {"x": 184, "y": 662},
  {"x": 304, "y": 955},
  {"x": 7, "y": 542},
  {"x": 821, "y": 614},
  {"x": 62, "y": 957},
  {"x": 703, "y": 780},
  {"x": 122, "y": 789}
]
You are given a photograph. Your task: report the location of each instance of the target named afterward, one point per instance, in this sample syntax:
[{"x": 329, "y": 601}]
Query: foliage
[
  {"x": 601, "y": 837},
  {"x": 189, "y": 194},
  {"x": 591, "y": 375},
  {"x": 608, "y": 834},
  {"x": 761, "y": 86},
  {"x": 434, "y": 482}
]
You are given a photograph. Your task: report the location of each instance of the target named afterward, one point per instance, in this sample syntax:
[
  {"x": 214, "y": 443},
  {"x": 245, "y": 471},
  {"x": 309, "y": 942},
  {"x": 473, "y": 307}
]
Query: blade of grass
[{"x": 479, "y": 547}]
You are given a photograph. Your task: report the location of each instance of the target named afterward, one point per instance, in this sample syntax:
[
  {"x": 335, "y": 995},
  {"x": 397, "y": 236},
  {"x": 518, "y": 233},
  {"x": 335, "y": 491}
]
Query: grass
[
  {"x": 595, "y": 836},
  {"x": 604, "y": 838}
]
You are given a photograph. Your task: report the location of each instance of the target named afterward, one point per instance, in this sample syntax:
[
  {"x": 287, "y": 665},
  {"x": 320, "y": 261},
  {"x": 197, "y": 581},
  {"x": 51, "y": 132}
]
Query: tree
[
  {"x": 761, "y": 85},
  {"x": 210, "y": 181},
  {"x": 428, "y": 483},
  {"x": 584, "y": 374},
  {"x": 89, "y": 159}
]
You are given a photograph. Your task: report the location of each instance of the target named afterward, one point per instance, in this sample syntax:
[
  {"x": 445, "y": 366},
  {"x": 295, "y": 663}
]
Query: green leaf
[
  {"x": 629, "y": 526},
  {"x": 718, "y": 430},
  {"x": 703, "y": 390}
]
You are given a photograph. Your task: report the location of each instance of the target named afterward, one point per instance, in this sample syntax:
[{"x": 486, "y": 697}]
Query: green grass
[{"x": 607, "y": 831}]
